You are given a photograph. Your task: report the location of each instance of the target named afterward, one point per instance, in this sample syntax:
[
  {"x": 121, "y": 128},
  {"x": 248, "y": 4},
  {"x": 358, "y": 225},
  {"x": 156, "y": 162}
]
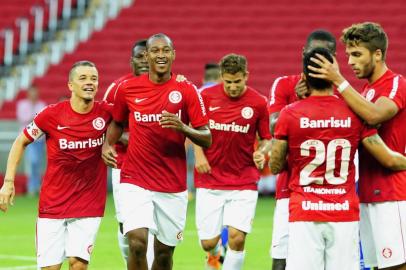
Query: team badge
[
  {"x": 90, "y": 249},
  {"x": 386, "y": 253},
  {"x": 247, "y": 112},
  {"x": 179, "y": 236},
  {"x": 175, "y": 96},
  {"x": 370, "y": 94},
  {"x": 99, "y": 123}
]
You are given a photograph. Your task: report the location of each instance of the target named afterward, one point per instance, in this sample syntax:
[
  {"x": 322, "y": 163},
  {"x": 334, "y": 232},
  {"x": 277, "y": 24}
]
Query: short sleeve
[
  {"x": 120, "y": 109},
  {"x": 367, "y": 131},
  {"x": 396, "y": 91},
  {"x": 195, "y": 106},
  {"x": 34, "y": 130},
  {"x": 263, "y": 123},
  {"x": 278, "y": 98},
  {"x": 111, "y": 92},
  {"x": 282, "y": 126}
]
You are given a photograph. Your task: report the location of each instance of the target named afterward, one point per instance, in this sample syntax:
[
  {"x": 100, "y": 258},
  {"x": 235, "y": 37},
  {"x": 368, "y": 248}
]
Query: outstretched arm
[
  {"x": 388, "y": 158},
  {"x": 7, "y": 191}
]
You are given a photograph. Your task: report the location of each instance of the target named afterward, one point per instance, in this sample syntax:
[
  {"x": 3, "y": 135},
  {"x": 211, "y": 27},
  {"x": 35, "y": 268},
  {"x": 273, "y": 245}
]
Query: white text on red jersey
[
  {"x": 325, "y": 123},
  {"x": 323, "y": 206},
  {"x": 89, "y": 143},
  {"x": 151, "y": 117},
  {"x": 229, "y": 127}
]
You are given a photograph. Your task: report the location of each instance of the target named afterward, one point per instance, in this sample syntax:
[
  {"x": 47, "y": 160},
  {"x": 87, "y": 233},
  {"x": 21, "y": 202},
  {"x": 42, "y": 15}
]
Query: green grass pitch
[{"x": 17, "y": 239}]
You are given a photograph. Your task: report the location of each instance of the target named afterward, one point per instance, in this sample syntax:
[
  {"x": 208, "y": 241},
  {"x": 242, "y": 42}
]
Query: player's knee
[
  {"x": 77, "y": 264},
  {"x": 208, "y": 245},
  {"x": 164, "y": 259},
  {"x": 137, "y": 246},
  {"x": 236, "y": 240}
]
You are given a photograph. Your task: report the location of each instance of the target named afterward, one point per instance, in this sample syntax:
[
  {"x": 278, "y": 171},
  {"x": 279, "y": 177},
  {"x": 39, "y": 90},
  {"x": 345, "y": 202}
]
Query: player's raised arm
[
  {"x": 373, "y": 113},
  {"x": 388, "y": 158},
  {"x": 7, "y": 191}
]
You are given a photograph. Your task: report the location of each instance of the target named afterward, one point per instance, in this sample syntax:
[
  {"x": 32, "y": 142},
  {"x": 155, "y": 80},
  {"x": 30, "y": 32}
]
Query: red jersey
[
  {"x": 75, "y": 180},
  {"x": 110, "y": 96},
  {"x": 322, "y": 143},
  {"x": 156, "y": 157},
  {"x": 376, "y": 183},
  {"x": 282, "y": 93},
  {"x": 234, "y": 123}
]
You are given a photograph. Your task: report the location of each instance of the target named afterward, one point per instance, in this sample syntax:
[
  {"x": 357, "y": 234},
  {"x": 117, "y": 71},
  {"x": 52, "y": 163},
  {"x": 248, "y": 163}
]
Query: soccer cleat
[{"x": 213, "y": 262}]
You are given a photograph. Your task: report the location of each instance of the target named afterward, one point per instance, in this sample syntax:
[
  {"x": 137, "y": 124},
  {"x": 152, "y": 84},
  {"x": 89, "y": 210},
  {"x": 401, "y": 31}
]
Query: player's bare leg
[
  {"x": 235, "y": 253},
  {"x": 137, "y": 244},
  {"x": 213, "y": 247},
  {"x": 52, "y": 267},
  {"x": 163, "y": 256},
  {"x": 76, "y": 263},
  {"x": 278, "y": 264}
]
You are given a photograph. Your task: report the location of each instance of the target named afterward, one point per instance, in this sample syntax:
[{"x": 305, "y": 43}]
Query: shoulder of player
[
  {"x": 185, "y": 86},
  {"x": 209, "y": 91},
  {"x": 130, "y": 82},
  {"x": 255, "y": 96},
  {"x": 284, "y": 85}
]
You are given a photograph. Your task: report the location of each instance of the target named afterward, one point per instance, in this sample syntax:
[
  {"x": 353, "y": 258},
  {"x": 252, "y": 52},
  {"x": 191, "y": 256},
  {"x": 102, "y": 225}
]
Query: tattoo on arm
[{"x": 278, "y": 157}]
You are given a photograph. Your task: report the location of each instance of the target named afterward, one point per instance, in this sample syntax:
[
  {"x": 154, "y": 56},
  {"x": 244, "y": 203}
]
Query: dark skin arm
[{"x": 200, "y": 136}]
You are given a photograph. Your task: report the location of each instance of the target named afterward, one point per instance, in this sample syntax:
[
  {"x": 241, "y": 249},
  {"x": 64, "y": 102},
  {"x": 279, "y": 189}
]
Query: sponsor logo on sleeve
[
  {"x": 99, "y": 123},
  {"x": 175, "y": 96},
  {"x": 34, "y": 131},
  {"x": 247, "y": 112}
]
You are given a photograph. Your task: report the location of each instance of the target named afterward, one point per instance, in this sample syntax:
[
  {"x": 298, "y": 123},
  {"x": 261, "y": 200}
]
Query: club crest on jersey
[
  {"x": 370, "y": 94},
  {"x": 247, "y": 112},
  {"x": 175, "y": 96},
  {"x": 99, "y": 123}
]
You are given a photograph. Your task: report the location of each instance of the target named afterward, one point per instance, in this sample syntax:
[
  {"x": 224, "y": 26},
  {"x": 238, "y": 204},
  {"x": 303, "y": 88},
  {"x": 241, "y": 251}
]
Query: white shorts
[
  {"x": 58, "y": 239},
  {"x": 323, "y": 246},
  {"x": 383, "y": 233},
  {"x": 164, "y": 214},
  {"x": 218, "y": 208},
  {"x": 115, "y": 182},
  {"x": 280, "y": 230}
]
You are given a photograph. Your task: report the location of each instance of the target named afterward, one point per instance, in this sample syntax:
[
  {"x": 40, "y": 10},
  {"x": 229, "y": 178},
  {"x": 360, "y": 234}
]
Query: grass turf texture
[{"x": 17, "y": 239}]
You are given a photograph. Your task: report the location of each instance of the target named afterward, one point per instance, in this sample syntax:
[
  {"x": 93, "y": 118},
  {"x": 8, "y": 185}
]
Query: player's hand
[
  {"x": 301, "y": 89},
  {"x": 202, "y": 165},
  {"x": 170, "y": 120},
  {"x": 109, "y": 155},
  {"x": 259, "y": 159},
  {"x": 180, "y": 78},
  {"x": 7, "y": 193},
  {"x": 327, "y": 70}
]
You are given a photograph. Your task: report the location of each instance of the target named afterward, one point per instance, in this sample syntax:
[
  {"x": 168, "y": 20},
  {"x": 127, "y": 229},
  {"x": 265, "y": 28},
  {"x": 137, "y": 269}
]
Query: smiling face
[
  {"x": 160, "y": 55},
  {"x": 361, "y": 60},
  {"x": 84, "y": 82}
]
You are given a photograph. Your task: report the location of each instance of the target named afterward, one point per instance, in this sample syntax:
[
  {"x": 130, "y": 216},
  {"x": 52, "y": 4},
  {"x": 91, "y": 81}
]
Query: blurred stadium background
[{"x": 41, "y": 39}]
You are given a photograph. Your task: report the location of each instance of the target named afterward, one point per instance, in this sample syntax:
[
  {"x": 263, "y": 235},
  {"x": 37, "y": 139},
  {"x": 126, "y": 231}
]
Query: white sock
[
  {"x": 150, "y": 250},
  {"x": 123, "y": 245},
  {"x": 233, "y": 260},
  {"x": 216, "y": 249}
]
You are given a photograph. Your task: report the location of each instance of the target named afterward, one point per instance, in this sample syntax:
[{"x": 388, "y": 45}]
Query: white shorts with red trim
[
  {"x": 58, "y": 239},
  {"x": 383, "y": 233}
]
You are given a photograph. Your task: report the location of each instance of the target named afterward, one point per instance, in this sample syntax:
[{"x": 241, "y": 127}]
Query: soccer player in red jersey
[
  {"x": 319, "y": 135},
  {"x": 284, "y": 91},
  {"x": 382, "y": 192},
  {"x": 73, "y": 193},
  {"x": 153, "y": 193},
  {"x": 227, "y": 191},
  {"x": 139, "y": 65}
]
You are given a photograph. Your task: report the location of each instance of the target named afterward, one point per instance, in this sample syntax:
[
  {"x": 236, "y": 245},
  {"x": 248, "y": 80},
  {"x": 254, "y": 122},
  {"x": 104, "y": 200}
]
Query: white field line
[
  {"x": 18, "y": 258},
  {"x": 26, "y": 267}
]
